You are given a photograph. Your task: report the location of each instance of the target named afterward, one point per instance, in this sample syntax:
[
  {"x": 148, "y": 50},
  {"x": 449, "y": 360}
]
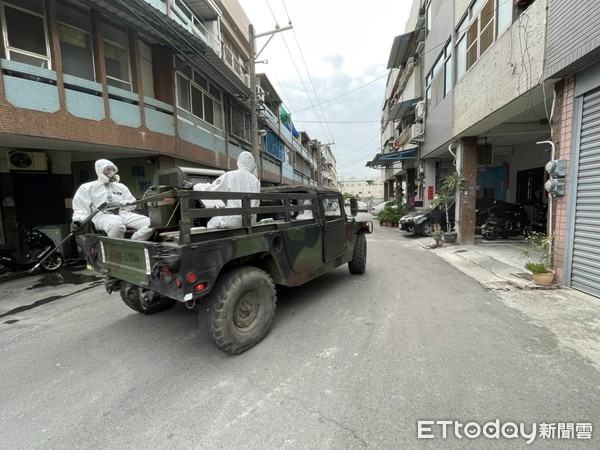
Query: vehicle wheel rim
[
  {"x": 427, "y": 229},
  {"x": 247, "y": 311},
  {"x": 52, "y": 263}
]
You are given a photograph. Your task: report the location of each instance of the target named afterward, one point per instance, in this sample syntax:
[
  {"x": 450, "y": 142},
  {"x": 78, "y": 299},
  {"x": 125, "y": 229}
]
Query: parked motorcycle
[
  {"x": 505, "y": 220},
  {"x": 34, "y": 247}
]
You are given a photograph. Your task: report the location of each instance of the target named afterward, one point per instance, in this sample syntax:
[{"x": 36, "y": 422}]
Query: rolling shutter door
[{"x": 585, "y": 269}]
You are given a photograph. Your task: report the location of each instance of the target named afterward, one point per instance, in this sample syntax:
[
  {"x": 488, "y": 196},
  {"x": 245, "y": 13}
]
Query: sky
[{"x": 330, "y": 69}]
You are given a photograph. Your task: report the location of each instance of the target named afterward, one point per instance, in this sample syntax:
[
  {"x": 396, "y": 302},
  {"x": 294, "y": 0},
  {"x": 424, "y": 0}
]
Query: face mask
[{"x": 111, "y": 174}]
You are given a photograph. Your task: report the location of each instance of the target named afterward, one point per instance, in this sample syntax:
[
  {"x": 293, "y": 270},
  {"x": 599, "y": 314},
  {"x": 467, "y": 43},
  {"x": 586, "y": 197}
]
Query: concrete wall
[
  {"x": 438, "y": 126},
  {"x": 509, "y": 68},
  {"x": 441, "y": 30}
]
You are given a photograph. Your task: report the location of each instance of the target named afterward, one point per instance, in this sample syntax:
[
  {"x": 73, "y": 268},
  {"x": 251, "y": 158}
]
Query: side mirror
[{"x": 353, "y": 206}]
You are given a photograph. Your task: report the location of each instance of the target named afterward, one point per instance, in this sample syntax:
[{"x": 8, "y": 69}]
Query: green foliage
[
  {"x": 437, "y": 235},
  {"x": 541, "y": 244},
  {"x": 392, "y": 212},
  {"x": 347, "y": 195},
  {"x": 536, "y": 267},
  {"x": 446, "y": 194}
]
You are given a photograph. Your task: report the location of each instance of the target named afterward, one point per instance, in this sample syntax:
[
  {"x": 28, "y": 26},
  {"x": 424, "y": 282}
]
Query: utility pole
[{"x": 254, "y": 93}]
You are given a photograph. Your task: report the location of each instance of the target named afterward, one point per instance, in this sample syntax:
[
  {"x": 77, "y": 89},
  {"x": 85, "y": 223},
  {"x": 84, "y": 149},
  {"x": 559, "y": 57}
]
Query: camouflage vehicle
[{"x": 230, "y": 274}]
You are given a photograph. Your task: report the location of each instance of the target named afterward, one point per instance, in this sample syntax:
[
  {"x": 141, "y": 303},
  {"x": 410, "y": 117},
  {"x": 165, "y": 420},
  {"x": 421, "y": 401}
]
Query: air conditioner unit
[
  {"x": 27, "y": 161},
  {"x": 420, "y": 111},
  {"x": 416, "y": 132}
]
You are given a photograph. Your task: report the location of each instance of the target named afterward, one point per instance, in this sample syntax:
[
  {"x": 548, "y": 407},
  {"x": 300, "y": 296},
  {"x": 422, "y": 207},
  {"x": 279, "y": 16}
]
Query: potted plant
[
  {"x": 540, "y": 267},
  {"x": 445, "y": 198},
  {"x": 438, "y": 236},
  {"x": 391, "y": 214}
]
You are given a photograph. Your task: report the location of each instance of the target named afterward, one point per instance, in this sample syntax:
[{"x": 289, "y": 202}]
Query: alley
[{"x": 351, "y": 362}]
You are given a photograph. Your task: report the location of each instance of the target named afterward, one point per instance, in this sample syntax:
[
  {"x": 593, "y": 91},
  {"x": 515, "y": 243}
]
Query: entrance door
[
  {"x": 334, "y": 232},
  {"x": 39, "y": 198},
  {"x": 493, "y": 182},
  {"x": 585, "y": 264}
]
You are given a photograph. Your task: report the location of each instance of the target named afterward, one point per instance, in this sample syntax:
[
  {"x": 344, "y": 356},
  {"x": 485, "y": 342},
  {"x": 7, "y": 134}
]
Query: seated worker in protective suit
[
  {"x": 307, "y": 213},
  {"x": 107, "y": 189},
  {"x": 240, "y": 180}
]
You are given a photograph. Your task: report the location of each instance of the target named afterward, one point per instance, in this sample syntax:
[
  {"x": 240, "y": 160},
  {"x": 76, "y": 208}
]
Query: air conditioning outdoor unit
[
  {"x": 416, "y": 132},
  {"x": 27, "y": 161},
  {"x": 420, "y": 111}
]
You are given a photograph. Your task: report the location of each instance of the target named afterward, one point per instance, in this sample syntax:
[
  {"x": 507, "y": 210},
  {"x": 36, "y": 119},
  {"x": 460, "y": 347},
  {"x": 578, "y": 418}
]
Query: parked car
[
  {"x": 419, "y": 222},
  {"x": 375, "y": 210},
  {"x": 362, "y": 206}
]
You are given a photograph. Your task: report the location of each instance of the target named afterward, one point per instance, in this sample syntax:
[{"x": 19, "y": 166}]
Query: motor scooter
[
  {"x": 34, "y": 247},
  {"x": 505, "y": 220}
]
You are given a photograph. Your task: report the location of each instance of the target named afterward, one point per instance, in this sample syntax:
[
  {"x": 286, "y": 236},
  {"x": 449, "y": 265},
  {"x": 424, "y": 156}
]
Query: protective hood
[
  {"x": 246, "y": 162},
  {"x": 101, "y": 164}
]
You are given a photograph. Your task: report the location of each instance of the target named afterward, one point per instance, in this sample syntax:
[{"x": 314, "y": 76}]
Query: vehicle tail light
[
  {"x": 200, "y": 287},
  {"x": 178, "y": 282},
  {"x": 191, "y": 277}
]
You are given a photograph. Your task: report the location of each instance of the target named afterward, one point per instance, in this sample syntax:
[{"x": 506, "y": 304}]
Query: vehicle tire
[
  {"x": 427, "y": 229},
  {"x": 359, "y": 257},
  {"x": 130, "y": 295},
  {"x": 238, "y": 313},
  {"x": 53, "y": 262}
]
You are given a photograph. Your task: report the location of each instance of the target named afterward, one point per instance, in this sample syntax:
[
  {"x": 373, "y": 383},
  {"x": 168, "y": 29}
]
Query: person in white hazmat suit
[
  {"x": 107, "y": 189},
  {"x": 240, "y": 180}
]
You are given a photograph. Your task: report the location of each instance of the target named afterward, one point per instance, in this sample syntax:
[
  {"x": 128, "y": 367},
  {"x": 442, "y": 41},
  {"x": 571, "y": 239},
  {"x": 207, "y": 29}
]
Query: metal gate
[{"x": 585, "y": 266}]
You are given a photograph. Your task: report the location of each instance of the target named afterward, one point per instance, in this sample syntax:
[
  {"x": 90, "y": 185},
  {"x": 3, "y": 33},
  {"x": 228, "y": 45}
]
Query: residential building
[
  {"x": 148, "y": 84},
  {"x": 503, "y": 92},
  {"x": 362, "y": 188}
]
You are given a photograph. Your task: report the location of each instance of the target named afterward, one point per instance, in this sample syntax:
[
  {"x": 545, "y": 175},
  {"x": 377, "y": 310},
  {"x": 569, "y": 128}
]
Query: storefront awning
[{"x": 386, "y": 159}]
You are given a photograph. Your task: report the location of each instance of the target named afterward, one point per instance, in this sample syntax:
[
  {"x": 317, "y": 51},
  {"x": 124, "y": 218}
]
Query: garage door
[{"x": 585, "y": 268}]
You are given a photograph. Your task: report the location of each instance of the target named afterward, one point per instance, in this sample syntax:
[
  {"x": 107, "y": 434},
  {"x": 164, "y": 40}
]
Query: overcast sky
[{"x": 330, "y": 69}]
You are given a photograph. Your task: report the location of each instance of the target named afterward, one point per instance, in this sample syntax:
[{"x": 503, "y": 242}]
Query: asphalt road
[{"x": 351, "y": 362}]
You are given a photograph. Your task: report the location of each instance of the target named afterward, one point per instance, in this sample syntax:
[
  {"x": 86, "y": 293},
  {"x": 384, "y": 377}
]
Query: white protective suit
[
  {"x": 240, "y": 180},
  {"x": 107, "y": 189},
  {"x": 307, "y": 213}
]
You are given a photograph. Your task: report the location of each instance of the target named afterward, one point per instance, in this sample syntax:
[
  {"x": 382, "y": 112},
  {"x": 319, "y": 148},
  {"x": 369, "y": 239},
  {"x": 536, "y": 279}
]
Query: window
[
  {"x": 198, "y": 96},
  {"x": 432, "y": 8},
  {"x": 75, "y": 41},
  {"x": 438, "y": 82},
  {"x": 332, "y": 208},
  {"x": 484, "y": 22},
  {"x": 26, "y": 37},
  {"x": 116, "y": 56},
  {"x": 239, "y": 122},
  {"x": 146, "y": 66}
]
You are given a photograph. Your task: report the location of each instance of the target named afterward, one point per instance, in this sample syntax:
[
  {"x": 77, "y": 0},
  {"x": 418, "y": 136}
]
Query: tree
[{"x": 447, "y": 194}]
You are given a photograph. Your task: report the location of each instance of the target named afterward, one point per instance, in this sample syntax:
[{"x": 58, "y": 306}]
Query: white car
[
  {"x": 362, "y": 206},
  {"x": 375, "y": 210}
]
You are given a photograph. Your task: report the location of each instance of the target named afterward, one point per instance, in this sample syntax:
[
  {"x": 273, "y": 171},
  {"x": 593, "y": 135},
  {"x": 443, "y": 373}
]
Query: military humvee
[{"x": 230, "y": 275}]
